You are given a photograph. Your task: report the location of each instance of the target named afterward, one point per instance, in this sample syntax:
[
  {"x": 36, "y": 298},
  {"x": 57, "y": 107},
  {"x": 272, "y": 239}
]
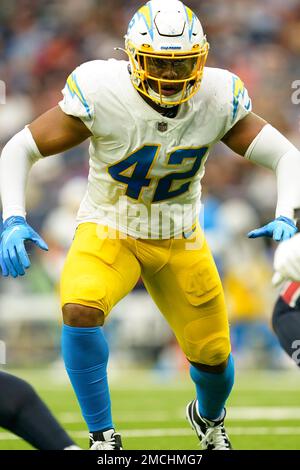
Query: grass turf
[{"x": 149, "y": 409}]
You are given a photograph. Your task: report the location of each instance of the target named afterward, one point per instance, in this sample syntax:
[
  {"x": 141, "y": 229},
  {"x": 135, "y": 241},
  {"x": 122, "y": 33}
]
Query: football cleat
[
  {"x": 211, "y": 434},
  {"x": 107, "y": 440}
]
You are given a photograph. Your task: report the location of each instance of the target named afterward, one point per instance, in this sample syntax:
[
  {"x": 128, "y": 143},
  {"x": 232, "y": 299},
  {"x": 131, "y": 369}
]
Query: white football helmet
[{"x": 167, "y": 51}]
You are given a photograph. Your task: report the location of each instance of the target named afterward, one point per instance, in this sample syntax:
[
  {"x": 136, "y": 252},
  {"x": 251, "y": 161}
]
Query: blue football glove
[
  {"x": 279, "y": 229},
  {"x": 13, "y": 256}
]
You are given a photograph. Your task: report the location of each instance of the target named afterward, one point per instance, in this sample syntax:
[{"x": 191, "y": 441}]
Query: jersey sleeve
[
  {"x": 77, "y": 100},
  {"x": 238, "y": 104}
]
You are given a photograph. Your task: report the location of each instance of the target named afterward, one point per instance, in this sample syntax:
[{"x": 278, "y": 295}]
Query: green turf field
[{"x": 263, "y": 412}]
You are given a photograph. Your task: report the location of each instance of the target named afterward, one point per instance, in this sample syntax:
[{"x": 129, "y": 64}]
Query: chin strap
[{"x": 171, "y": 100}]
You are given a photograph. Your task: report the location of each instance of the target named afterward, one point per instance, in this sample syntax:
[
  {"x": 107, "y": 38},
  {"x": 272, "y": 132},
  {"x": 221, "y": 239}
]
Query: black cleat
[{"x": 211, "y": 434}]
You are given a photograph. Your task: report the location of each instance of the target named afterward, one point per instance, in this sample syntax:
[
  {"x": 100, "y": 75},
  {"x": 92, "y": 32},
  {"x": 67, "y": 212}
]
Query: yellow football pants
[{"x": 179, "y": 274}]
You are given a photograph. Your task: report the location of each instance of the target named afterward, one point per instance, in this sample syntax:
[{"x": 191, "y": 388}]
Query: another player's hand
[
  {"x": 287, "y": 261},
  {"x": 13, "y": 256},
  {"x": 279, "y": 229}
]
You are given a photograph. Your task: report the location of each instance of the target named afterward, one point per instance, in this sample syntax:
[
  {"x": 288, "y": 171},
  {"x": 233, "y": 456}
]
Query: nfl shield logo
[{"x": 162, "y": 126}]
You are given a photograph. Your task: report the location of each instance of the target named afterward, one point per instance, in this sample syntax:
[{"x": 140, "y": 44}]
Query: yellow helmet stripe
[
  {"x": 146, "y": 12},
  {"x": 189, "y": 14},
  {"x": 190, "y": 17}
]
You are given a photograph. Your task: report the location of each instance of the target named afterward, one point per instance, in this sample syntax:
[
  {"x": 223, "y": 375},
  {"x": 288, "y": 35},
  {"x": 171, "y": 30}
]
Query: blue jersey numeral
[
  {"x": 134, "y": 171},
  {"x": 163, "y": 190},
  {"x": 137, "y": 166}
]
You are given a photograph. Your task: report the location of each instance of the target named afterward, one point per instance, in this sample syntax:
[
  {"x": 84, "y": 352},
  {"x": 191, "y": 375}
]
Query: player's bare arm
[
  {"x": 55, "y": 131},
  {"x": 51, "y": 133},
  {"x": 243, "y": 133}
]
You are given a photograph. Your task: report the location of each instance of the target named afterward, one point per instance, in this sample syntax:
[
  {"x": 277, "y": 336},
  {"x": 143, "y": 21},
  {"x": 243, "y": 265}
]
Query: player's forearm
[
  {"x": 272, "y": 150},
  {"x": 17, "y": 158}
]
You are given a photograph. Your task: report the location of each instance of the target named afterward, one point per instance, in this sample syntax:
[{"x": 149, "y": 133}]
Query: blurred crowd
[{"x": 42, "y": 41}]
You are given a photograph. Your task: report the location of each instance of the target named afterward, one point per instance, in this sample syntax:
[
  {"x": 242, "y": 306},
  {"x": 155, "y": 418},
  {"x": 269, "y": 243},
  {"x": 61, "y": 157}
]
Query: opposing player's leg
[
  {"x": 98, "y": 272},
  {"x": 26, "y": 415},
  {"x": 188, "y": 291},
  {"x": 286, "y": 320}
]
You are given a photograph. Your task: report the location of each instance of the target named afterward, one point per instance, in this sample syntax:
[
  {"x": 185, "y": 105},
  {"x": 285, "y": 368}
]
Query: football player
[
  {"x": 151, "y": 121},
  {"x": 286, "y": 313},
  {"x": 24, "y": 413}
]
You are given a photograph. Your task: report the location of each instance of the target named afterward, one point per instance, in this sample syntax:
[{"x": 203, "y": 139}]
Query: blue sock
[
  {"x": 85, "y": 353},
  {"x": 213, "y": 389}
]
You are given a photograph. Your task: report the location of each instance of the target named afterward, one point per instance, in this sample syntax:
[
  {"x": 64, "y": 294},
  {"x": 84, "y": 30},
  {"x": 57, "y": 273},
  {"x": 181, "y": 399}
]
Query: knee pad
[
  {"x": 206, "y": 339},
  {"x": 85, "y": 290},
  {"x": 211, "y": 349}
]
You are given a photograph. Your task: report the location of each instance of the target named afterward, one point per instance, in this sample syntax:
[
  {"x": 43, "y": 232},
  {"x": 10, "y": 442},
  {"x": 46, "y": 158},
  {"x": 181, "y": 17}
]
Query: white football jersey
[{"x": 146, "y": 169}]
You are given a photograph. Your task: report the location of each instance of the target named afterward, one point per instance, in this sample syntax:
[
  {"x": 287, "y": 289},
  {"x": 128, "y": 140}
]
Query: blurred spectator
[{"x": 59, "y": 226}]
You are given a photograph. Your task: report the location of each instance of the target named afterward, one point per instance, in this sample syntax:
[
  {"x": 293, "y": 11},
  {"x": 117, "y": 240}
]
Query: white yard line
[
  {"x": 265, "y": 413},
  {"x": 173, "y": 432}
]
